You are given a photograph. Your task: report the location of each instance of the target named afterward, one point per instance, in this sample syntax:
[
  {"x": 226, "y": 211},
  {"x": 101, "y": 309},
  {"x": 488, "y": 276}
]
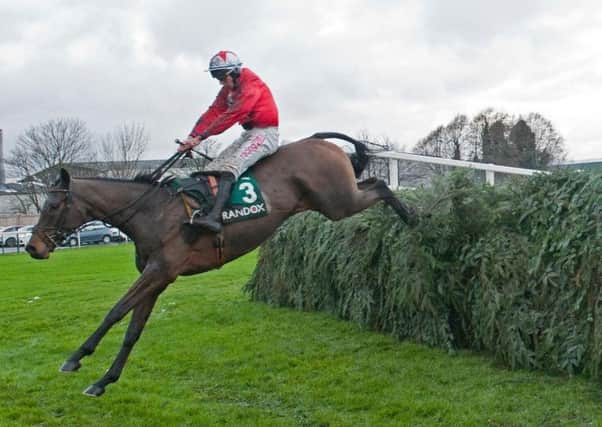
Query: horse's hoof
[
  {"x": 94, "y": 391},
  {"x": 70, "y": 366}
]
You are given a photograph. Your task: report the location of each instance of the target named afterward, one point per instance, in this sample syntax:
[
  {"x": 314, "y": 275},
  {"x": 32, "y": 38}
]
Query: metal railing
[
  {"x": 392, "y": 159},
  {"x": 15, "y": 242}
]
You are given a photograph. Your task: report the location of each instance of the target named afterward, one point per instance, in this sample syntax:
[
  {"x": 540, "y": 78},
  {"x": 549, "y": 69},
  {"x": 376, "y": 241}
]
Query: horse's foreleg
[
  {"x": 151, "y": 282},
  {"x": 141, "y": 314}
]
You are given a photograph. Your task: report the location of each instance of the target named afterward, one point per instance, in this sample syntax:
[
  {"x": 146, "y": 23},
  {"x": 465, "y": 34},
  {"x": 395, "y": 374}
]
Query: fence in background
[{"x": 411, "y": 170}]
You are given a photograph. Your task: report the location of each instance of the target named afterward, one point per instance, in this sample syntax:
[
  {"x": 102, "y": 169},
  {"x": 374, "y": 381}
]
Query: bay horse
[{"x": 310, "y": 174}]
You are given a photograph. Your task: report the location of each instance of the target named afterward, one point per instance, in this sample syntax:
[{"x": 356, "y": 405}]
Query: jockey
[{"x": 243, "y": 98}]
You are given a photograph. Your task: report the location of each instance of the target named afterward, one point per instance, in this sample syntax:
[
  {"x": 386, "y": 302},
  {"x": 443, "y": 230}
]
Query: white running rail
[{"x": 489, "y": 168}]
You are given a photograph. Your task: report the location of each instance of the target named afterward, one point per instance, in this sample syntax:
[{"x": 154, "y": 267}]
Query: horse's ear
[{"x": 64, "y": 179}]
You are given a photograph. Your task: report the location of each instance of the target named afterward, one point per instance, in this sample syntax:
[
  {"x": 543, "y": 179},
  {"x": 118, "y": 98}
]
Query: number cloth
[{"x": 246, "y": 201}]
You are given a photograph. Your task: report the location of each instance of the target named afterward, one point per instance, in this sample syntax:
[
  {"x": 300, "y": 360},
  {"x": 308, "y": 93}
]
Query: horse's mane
[
  {"x": 138, "y": 179},
  {"x": 144, "y": 178}
]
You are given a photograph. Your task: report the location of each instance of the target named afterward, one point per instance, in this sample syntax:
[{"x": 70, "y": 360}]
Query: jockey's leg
[
  {"x": 212, "y": 221},
  {"x": 243, "y": 153}
]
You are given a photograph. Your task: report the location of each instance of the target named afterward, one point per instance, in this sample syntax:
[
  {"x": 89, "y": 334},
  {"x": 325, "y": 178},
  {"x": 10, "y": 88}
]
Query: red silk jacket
[{"x": 250, "y": 103}]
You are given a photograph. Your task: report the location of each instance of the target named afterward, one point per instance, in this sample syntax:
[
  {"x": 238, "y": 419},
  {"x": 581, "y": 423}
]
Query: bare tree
[
  {"x": 549, "y": 144},
  {"x": 376, "y": 167},
  {"x": 454, "y": 136},
  {"x": 43, "y": 148},
  {"x": 445, "y": 141},
  {"x": 432, "y": 144},
  {"x": 122, "y": 149},
  {"x": 20, "y": 205},
  {"x": 496, "y": 137},
  {"x": 382, "y": 142}
]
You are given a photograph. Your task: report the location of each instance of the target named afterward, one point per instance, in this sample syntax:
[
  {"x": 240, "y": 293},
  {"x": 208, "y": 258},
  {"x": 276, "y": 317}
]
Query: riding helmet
[{"x": 223, "y": 63}]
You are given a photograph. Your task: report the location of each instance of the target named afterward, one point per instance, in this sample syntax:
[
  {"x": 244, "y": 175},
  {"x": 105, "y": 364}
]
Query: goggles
[{"x": 220, "y": 74}]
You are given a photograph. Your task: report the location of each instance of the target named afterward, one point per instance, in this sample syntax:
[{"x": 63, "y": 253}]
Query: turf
[{"x": 209, "y": 357}]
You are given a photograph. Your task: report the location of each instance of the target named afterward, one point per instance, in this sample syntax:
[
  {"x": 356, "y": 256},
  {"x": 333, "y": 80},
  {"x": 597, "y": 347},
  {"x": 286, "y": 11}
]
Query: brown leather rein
[{"x": 53, "y": 236}]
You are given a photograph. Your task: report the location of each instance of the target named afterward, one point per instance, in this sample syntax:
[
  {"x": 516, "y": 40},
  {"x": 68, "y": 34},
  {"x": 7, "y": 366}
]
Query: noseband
[{"x": 53, "y": 236}]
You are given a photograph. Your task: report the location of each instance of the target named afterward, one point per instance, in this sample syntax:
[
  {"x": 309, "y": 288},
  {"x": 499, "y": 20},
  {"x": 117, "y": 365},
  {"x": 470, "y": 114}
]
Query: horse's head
[{"x": 58, "y": 218}]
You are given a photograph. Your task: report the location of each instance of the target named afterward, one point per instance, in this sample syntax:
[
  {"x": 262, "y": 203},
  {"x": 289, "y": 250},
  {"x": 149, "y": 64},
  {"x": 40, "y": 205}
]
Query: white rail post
[
  {"x": 490, "y": 177},
  {"x": 393, "y": 174}
]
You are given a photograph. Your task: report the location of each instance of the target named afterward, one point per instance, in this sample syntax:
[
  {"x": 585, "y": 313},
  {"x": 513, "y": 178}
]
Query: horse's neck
[{"x": 115, "y": 202}]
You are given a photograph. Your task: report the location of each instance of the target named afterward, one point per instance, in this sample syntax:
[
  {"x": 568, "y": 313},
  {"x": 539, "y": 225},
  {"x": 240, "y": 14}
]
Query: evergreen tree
[
  {"x": 522, "y": 140},
  {"x": 502, "y": 153}
]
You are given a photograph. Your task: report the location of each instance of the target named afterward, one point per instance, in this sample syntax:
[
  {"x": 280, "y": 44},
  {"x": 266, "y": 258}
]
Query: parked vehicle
[
  {"x": 9, "y": 236},
  {"x": 94, "y": 232},
  {"x": 116, "y": 234},
  {"x": 25, "y": 234}
]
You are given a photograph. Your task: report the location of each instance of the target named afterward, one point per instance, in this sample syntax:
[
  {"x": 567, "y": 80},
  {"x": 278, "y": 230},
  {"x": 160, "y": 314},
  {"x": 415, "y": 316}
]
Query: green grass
[{"x": 209, "y": 357}]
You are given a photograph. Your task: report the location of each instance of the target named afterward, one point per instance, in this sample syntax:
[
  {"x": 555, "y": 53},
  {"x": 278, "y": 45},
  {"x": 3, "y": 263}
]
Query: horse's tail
[{"x": 359, "y": 160}]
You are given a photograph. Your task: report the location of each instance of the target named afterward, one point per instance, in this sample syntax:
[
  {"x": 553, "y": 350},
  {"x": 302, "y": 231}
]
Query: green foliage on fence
[{"x": 512, "y": 270}]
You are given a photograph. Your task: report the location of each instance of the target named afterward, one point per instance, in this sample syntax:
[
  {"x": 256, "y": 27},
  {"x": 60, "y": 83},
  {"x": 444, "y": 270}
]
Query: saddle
[{"x": 198, "y": 193}]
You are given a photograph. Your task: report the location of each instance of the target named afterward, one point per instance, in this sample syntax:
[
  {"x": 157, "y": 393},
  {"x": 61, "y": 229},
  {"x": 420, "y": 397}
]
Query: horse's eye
[{"x": 54, "y": 205}]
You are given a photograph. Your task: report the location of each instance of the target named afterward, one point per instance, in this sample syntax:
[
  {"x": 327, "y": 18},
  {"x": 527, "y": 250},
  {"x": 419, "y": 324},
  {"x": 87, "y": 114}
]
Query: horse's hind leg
[
  {"x": 141, "y": 313},
  {"x": 367, "y": 183},
  {"x": 368, "y": 193},
  {"x": 406, "y": 213}
]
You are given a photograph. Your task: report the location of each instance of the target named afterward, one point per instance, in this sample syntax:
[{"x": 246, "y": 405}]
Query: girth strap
[
  {"x": 218, "y": 243},
  {"x": 186, "y": 205}
]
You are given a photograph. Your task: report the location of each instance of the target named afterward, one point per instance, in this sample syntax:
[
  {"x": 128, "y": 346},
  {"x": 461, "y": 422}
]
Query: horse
[{"x": 310, "y": 174}]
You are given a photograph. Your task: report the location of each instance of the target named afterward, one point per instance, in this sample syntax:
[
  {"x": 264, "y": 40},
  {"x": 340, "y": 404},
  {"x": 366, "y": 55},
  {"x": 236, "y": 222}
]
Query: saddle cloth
[{"x": 246, "y": 200}]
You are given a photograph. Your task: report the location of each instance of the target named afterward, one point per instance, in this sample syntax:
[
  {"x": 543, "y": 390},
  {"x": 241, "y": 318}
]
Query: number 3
[{"x": 250, "y": 195}]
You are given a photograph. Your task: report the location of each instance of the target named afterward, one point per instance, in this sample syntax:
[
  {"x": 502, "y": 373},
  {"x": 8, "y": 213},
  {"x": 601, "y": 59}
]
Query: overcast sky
[{"x": 394, "y": 68}]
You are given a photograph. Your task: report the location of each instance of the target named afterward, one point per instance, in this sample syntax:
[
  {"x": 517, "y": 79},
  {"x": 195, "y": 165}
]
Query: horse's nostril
[{"x": 30, "y": 249}]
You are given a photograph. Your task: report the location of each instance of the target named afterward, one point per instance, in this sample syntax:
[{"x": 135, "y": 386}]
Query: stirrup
[
  {"x": 205, "y": 221},
  {"x": 195, "y": 213},
  {"x": 209, "y": 224}
]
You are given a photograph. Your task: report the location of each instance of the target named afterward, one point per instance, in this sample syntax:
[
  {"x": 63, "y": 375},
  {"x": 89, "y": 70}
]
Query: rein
[
  {"x": 53, "y": 236},
  {"x": 153, "y": 189},
  {"x": 154, "y": 178}
]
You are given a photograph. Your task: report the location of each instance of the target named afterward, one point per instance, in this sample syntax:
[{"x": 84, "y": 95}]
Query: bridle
[{"x": 51, "y": 235}]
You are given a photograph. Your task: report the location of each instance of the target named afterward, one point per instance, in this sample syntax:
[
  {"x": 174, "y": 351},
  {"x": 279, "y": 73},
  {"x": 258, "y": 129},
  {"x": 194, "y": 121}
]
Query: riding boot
[{"x": 212, "y": 221}]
